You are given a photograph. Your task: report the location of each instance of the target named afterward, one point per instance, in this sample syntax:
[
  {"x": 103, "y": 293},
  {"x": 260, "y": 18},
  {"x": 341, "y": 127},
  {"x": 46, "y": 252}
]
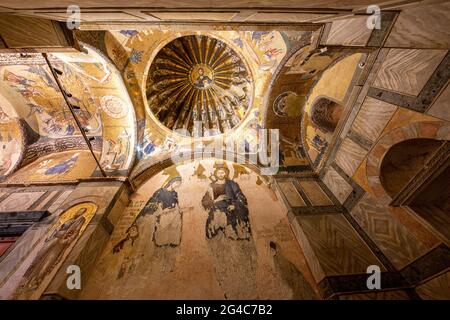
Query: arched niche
[
  {"x": 325, "y": 114},
  {"x": 402, "y": 177},
  {"x": 434, "y": 130},
  {"x": 304, "y": 76},
  {"x": 403, "y": 161},
  {"x": 409, "y": 166},
  {"x": 432, "y": 204}
]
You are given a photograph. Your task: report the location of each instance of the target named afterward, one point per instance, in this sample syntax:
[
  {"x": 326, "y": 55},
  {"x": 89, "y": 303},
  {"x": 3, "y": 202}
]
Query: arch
[
  {"x": 141, "y": 175},
  {"x": 333, "y": 85},
  {"x": 292, "y": 54},
  {"x": 300, "y": 71},
  {"x": 436, "y": 130},
  {"x": 98, "y": 201}
]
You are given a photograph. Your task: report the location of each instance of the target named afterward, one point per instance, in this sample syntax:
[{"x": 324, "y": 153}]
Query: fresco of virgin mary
[{"x": 164, "y": 205}]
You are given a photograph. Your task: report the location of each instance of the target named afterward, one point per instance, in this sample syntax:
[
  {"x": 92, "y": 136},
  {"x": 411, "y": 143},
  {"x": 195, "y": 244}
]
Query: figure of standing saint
[
  {"x": 52, "y": 252},
  {"x": 227, "y": 208},
  {"x": 160, "y": 219},
  {"x": 164, "y": 206}
]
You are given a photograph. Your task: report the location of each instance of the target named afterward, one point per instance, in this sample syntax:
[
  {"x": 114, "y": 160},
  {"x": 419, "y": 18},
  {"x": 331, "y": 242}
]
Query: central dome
[{"x": 199, "y": 78}]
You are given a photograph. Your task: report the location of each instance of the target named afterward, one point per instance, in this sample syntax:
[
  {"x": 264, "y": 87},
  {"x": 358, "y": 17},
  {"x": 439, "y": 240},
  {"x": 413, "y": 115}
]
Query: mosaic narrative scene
[{"x": 241, "y": 150}]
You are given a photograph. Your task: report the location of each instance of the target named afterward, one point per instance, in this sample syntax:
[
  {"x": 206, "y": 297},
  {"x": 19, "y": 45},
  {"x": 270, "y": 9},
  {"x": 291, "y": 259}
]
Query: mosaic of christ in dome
[{"x": 199, "y": 79}]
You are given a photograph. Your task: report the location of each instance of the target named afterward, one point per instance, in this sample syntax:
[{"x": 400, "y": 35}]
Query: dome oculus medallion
[{"x": 199, "y": 79}]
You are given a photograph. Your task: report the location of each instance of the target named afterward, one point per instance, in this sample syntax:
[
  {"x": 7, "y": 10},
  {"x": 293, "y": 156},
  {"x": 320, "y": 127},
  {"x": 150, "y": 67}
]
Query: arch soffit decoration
[
  {"x": 104, "y": 44},
  {"x": 139, "y": 177},
  {"x": 344, "y": 54},
  {"x": 302, "y": 121},
  {"x": 130, "y": 112},
  {"x": 95, "y": 54},
  {"x": 290, "y": 55}
]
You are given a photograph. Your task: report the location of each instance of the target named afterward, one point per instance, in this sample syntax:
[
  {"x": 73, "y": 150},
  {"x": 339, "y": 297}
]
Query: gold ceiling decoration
[{"x": 199, "y": 78}]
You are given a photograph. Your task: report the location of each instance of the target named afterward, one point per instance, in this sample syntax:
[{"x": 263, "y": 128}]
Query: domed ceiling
[{"x": 199, "y": 78}]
